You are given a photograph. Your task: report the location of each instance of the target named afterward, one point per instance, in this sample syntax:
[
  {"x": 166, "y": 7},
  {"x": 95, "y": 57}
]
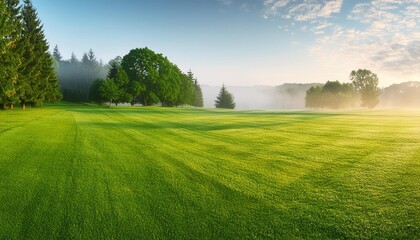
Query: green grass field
[{"x": 84, "y": 172}]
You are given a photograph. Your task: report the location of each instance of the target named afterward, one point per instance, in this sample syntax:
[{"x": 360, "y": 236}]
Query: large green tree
[
  {"x": 366, "y": 83},
  {"x": 153, "y": 79},
  {"x": 224, "y": 99},
  {"x": 141, "y": 67},
  {"x": 37, "y": 81},
  {"x": 109, "y": 90}
]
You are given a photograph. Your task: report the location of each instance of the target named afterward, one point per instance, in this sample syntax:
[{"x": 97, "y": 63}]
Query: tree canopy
[
  {"x": 366, "y": 83},
  {"x": 27, "y": 72},
  {"x": 153, "y": 79},
  {"x": 332, "y": 94}
]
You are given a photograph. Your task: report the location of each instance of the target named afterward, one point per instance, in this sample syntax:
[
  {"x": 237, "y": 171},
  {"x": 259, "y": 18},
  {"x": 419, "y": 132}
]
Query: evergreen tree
[
  {"x": 57, "y": 54},
  {"x": 94, "y": 91},
  {"x": 224, "y": 99},
  {"x": 197, "y": 98},
  {"x": 10, "y": 59},
  {"x": 38, "y": 81},
  {"x": 113, "y": 71},
  {"x": 73, "y": 58}
]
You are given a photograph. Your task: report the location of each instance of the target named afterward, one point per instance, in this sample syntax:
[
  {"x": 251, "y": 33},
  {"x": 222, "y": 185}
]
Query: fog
[
  {"x": 285, "y": 96},
  {"x": 292, "y": 96},
  {"x": 403, "y": 95}
]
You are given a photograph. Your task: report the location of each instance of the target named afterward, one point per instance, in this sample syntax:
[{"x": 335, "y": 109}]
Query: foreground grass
[{"x": 81, "y": 172}]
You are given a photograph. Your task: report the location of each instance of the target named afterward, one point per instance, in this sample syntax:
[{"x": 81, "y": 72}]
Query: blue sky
[{"x": 247, "y": 42}]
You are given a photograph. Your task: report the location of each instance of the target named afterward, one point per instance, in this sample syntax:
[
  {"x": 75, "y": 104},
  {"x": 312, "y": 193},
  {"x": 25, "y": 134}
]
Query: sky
[{"x": 247, "y": 42}]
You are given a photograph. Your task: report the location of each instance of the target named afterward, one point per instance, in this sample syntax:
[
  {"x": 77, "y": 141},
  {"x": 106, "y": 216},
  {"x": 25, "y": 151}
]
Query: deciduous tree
[{"x": 366, "y": 83}]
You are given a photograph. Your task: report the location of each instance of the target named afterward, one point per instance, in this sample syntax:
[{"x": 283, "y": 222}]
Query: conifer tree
[
  {"x": 224, "y": 99},
  {"x": 197, "y": 98},
  {"x": 57, "y": 55},
  {"x": 9, "y": 52},
  {"x": 73, "y": 58},
  {"x": 38, "y": 81}
]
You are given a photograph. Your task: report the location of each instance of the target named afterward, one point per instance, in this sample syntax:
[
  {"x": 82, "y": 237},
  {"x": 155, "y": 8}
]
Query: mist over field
[
  {"x": 285, "y": 96},
  {"x": 292, "y": 96}
]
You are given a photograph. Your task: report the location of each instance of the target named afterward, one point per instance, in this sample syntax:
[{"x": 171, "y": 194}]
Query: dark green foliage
[
  {"x": 332, "y": 94},
  {"x": 10, "y": 59},
  {"x": 366, "y": 83},
  {"x": 224, "y": 99},
  {"x": 121, "y": 81},
  {"x": 109, "y": 90},
  {"x": 153, "y": 79},
  {"x": 28, "y": 74},
  {"x": 94, "y": 92}
]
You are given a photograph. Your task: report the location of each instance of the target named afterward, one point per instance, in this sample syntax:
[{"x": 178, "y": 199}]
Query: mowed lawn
[{"x": 85, "y": 172}]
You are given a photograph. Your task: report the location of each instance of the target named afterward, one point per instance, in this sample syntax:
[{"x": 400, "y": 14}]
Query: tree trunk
[
  {"x": 110, "y": 103},
  {"x": 3, "y": 106},
  {"x": 12, "y": 106},
  {"x": 23, "y": 106}
]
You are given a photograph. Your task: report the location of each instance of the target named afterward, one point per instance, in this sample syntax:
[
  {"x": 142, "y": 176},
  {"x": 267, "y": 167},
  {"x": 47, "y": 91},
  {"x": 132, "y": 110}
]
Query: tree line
[
  {"x": 363, "y": 89},
  {"x": 145, "y": 77},
  {"x": 27, "y": 75}
]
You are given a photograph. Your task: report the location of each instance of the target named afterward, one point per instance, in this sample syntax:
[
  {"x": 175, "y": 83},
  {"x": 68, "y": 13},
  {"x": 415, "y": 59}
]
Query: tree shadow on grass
[{"x": 239, "y": 123}]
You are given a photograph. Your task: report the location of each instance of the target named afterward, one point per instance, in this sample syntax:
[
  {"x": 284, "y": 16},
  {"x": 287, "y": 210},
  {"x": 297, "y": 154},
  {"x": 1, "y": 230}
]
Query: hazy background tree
[
  {"x": 405, "y": 95},
  {"x": 314, "y": 97},
  {"x": 224, "y": 99},
  {"x": 197, "y": 100},
  {"x": 77, "y": 77},
  {"x": 56, "y": 54},
  {"x": 332, "y": 94},
  {"x": 366, "y": 83}
]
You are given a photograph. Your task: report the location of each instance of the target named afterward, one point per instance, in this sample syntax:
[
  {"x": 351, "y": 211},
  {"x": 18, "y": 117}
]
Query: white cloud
[
  {"x": 302, "y": 10},
  {"x": 389, "y": 40},
  {"x": 271, "y": 7}
]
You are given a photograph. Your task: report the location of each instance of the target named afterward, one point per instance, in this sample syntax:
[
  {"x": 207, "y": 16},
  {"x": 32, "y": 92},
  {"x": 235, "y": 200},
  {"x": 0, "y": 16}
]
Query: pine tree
[
  {"x": 38, "y": 81},
  {"x": 57, "y": 54},
  {"x": 197, "y": 100},
  {"x": 9, "y": 51},
  {"x": 198, "y": 96},
  {"x": 225, "y": 99},
  {"x": 113, "y": 71},
  {"x": 73, "y": 58}
]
